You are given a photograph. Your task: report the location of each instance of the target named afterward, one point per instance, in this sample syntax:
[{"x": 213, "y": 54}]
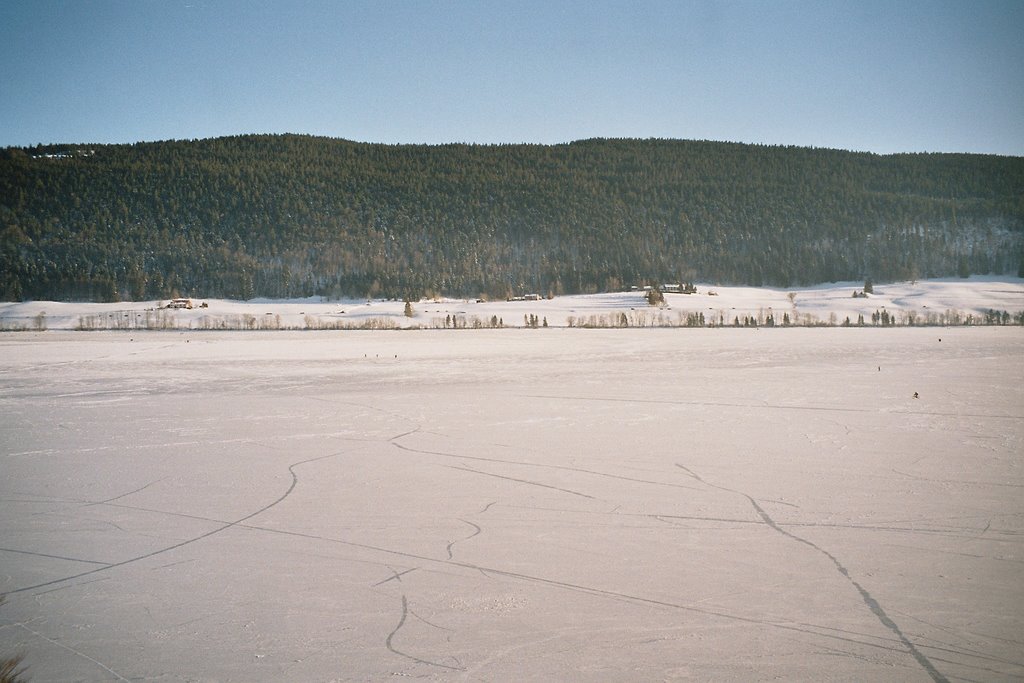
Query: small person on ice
[{"x": 915, "y": 395}]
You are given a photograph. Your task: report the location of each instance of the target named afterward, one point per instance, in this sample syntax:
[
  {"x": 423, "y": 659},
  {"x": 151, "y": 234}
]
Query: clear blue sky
[{"x": 882, "y": 76}]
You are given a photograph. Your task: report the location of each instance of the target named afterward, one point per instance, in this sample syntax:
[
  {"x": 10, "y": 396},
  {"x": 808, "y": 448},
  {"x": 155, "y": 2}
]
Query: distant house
[{"x": 179, "y": 303}]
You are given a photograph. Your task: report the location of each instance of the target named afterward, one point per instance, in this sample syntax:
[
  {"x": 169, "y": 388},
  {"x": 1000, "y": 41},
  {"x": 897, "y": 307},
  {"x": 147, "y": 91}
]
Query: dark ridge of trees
[{"x": 289, "y": 216}]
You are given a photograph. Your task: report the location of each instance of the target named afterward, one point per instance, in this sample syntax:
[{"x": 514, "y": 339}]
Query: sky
[{"x": 885, "y": 77}]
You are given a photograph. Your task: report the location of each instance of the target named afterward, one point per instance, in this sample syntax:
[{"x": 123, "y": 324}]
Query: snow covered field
[
  {"x": 934, "y": 301},
  {"x": 514, "y": 505}
]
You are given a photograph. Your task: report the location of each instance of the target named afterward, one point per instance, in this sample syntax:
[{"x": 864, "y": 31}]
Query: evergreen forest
[{"x": 286, "y": 216}]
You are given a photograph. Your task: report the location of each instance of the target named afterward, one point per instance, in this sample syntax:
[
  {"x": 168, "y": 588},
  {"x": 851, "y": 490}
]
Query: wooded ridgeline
[{"x": 293, "y": 216}]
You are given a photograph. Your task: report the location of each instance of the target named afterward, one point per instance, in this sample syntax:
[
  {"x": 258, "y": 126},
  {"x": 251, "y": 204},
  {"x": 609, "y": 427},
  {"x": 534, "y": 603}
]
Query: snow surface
[
  {"x": 975, "y": 295},
  {"x": 514, "y": 505}
]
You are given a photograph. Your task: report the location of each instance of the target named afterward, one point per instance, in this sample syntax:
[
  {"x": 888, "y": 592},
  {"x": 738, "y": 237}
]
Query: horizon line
[{"x": 524, "y": 143}]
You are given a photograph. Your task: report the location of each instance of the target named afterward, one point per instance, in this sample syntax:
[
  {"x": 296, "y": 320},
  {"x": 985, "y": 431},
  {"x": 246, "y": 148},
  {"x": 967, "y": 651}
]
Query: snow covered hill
[{"x": 942, "y": 302}]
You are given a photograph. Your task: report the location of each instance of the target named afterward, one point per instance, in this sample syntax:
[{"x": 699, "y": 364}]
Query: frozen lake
[{"x": 514, "y": 505}]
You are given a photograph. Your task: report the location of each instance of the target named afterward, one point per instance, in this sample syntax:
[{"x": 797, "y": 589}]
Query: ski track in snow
[
  {"x": 223, "y": 527},
  {"x": 395, "y": 576},
  {"x": 819, "y": 630},
  {"x": 521, "y": 481},
  {"x": 476, "y": 532},
  {"x": 54, "y": 557},
  {"x": 72, "y": 650},
  {"x": 939, "y": 652},
  {"x": 869, "y": 600},
  {"x": 388, "y": 643},
  {"x": 539, "y": 465}
]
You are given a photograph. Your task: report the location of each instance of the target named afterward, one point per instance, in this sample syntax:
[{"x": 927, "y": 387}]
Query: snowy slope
[{"x": 813, "y": 305}]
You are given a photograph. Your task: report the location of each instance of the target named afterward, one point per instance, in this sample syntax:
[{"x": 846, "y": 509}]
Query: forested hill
[{"x": 288, "y": 216}]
